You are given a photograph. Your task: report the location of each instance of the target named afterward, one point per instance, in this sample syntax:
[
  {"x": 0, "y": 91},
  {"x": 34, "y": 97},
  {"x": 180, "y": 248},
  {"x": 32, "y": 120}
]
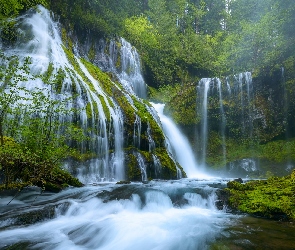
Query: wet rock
[
  {"x": 222, "y": 199},
  {"x": 123, "y": 182},
  {"x": 239, "y": 180}
]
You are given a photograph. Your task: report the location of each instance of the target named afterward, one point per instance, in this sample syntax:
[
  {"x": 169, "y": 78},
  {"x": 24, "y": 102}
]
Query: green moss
[
  {"x": 60, "y": 179},
  {"x": 8, "y": 32},
  {"x": 88, "y": 111},
  {"x": 66, "y": 39},
  {"x": 168, "y": 167},
  {"x": 58, "y": 80},
  {"x": 105, "y": 108},
  {"x": 47, "y": 75},
  {"x": 103, "y": 78},
  {"x": 91, "y": 53},
  {"x": 57, "y": 180},
  {"x": 147, "y": 118},
  {"x": 133, "y": 171},
  {"x": 272, "y": 198}
]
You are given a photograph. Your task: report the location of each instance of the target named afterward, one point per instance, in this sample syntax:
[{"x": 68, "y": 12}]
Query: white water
[
  {"x": 203, "y": 88},
  {"x": 160, "y": 215},
  {"x": 181, "y": 148},
  {"x": 125, "y": 63}
]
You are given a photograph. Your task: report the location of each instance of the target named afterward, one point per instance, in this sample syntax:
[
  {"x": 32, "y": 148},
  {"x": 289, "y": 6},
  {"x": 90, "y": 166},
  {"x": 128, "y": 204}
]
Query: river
[{"x": 158, "y": 215}]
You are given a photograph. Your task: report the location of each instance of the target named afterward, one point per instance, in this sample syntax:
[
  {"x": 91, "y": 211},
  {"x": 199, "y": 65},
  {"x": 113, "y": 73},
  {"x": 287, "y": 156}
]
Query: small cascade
[
  {"x": 157, "y": 166},
  {"x": 243, "y": 90},
  {"x": 179, "y": 145},
  {"x": 203, "y": 89},
  {"x": 215, "y": 105},
  {"x": 152, "y": 144},
  {"x": 223, "y": 120},
  {"x": 141, "y": 166},
  {"x": 137, "y": 131},
  {"x": 124, "y": 61}
]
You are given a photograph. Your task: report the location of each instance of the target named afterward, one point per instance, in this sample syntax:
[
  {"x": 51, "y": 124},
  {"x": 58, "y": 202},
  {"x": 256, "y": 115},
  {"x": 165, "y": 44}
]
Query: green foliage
[
  {"x": 12, "y": 8},
  {"x": 33, "y": 140},
  {"x": 273, "y": 198}
]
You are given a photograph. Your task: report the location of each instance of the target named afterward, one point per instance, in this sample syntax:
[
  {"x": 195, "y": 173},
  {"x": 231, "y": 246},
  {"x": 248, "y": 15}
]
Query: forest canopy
[{"x": 181, "y": 41}]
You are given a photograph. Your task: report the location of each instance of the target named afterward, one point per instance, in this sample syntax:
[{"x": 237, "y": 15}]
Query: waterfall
[
  {"x": 157, "y": 165},
  {"x": 141, "y": 166},
  {"x": 124, "y": 61},
  {"x": 41, "y": 42},
  {"x": 203, "y": 88},
  {"x": 215, "y": 103},
  {"x": 223, "y": 121},
  {"x": 137, "y": 131},
  {"x": 180, "y": 146}
]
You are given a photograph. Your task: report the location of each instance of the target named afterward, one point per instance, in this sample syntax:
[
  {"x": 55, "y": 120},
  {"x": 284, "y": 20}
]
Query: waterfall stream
[
  {"x": 180, "y": 146},
  {"x": 215, "y": 102}
]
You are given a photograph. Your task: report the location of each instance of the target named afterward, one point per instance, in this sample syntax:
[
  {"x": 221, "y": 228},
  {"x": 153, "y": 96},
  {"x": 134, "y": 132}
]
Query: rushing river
[{"x": 158, "y": 215}]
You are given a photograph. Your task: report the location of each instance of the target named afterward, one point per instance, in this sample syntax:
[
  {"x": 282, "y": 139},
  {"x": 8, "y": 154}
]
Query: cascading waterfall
[
  {"x": 137, "y": 131},
  {"x": 179, "y": 144},
  {"x": 142, "y": 167},
  {"x": 223, "y": 121},
  {"x": 125, "y": 63},
  {"x": 157, "y": 165},
  {"x": 45, "y": 50},
  {"x": 212, "y": 98}
]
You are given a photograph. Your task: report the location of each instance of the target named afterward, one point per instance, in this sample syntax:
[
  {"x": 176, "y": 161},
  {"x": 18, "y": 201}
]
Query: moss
[
  {"x": 168, "y": 167},
  {"x": 58, "y": 80},
  {"x": 133, "y": 171},
  {"x": 91, "y": 53},
  {"x": 66, "y": 39},
  {"x": 146, "y": 117},
  {"x": 272, "y": 198},
  {"x": 123, "y": 182},
  {"x": 182, "y": 106},
  {"x": 9, "y": 32},
  {"x": 101, "y": 77},
  {"x": 88, "y": 111},
  {"x": 61, "y": 179},
  {"x": 105, "y": 108},
  {"x": 57, "y": 180},
  {"x": 47, "y": 75}
]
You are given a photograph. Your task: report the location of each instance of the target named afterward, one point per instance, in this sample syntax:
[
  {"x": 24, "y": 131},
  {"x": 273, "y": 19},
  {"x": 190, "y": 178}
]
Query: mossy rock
[
  {"x": 272, "y": 198},
  {"x": 61, "y": 179},
  {"x": 123, "y": 182}
]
